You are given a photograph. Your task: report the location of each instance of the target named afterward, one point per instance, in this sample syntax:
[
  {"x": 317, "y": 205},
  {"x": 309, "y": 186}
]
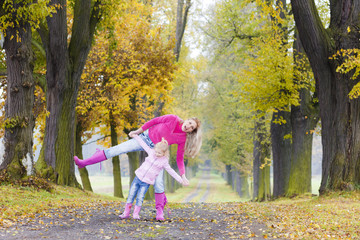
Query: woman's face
[{"x": 189, "y": 125}]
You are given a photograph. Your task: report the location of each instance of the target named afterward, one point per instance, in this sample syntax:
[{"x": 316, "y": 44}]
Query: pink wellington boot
[
  {"x": 126, "y": 213},
  {"x": 160, "y": 202},
  {"x": 136, "y": 212},
  {"x": 98, "y": 156}
]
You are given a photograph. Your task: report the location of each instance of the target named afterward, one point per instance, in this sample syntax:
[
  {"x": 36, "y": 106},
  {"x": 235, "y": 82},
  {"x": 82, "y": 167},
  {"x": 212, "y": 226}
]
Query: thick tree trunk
[
  {"x": 60, "y": 99},
  {"x": 339, "y": 115},
  {"x": 78, "y": 152},
  {"x": 115, "y": 160},
  {"x": 19, "y": 118},
  {"x": 64, "y": 68},
  {"x": 303, "y": 120},
  {"x": 261, "y": 170},
  {"x": 281, "y": 149}
]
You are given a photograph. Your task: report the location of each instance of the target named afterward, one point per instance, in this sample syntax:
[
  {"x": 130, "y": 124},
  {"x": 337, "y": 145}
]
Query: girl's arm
[
  {"x": 174, "y": 174},
  {"x": 162, "y": 119},
  {"x": 142, "y": 144}
]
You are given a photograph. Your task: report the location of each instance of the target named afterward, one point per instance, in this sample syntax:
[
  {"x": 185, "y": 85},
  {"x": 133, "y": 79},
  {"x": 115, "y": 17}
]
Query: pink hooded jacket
[
  {"x": 168, "y": 127},
  {"x": 150, "y": 168}
]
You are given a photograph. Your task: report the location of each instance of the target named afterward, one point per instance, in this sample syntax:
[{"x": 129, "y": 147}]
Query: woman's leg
[
  {"x": 159, "y": 186},
  {"x": 160, "y": 198},
  {"x": 129, "y": 146}
]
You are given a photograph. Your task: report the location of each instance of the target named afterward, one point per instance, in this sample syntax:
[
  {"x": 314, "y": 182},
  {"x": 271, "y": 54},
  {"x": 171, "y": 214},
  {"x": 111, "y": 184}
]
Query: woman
[{"x": 186, "y": 134}]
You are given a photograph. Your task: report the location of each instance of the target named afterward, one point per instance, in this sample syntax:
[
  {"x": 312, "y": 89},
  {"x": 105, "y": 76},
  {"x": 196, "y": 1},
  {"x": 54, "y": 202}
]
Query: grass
[{"x": 18, "y": 202}]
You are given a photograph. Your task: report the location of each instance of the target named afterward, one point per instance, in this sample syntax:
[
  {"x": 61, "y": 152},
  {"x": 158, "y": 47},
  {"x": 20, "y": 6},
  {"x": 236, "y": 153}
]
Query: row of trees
[
  {"x": 286, "y": 69},
  {"x": 112, "y": 72}
]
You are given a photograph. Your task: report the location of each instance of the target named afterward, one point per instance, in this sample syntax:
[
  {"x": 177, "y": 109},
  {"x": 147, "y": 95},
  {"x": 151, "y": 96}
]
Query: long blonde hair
[{"x": 193, "y": 140}]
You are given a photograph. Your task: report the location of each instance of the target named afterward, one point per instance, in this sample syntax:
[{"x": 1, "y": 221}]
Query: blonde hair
[
  {"x": 163, "y": 146},
  {"x": 193, "y": 140}
]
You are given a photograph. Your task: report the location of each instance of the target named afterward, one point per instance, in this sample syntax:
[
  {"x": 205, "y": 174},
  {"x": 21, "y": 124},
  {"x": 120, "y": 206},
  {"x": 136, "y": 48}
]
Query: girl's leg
[
  {"x": 160, "y": 198},
  {"x": 132, "y": 194},
  {"x": 140, "y": 198}
]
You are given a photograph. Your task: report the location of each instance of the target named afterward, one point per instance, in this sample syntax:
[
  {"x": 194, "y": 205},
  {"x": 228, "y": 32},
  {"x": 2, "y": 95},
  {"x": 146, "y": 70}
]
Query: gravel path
[{"x": 101, "y": 221}]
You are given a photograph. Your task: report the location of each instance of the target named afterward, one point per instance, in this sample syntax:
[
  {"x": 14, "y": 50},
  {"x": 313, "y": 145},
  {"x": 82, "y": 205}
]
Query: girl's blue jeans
[
  {"x": 133, "y": 146},
  {"x": 138, "y": 189}
]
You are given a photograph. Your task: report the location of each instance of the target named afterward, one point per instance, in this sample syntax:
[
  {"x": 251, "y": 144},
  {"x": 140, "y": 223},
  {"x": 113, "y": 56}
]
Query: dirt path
[
  {"x": 101, "y": 221},
  {"x": 203, "y": 183}
]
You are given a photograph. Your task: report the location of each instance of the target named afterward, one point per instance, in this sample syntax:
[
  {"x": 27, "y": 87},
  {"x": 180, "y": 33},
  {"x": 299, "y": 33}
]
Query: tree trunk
[
  {"x": 133, "y": 164},
  {"x": 228, "y": 174},
  {"x": 64, "y": 67},
  {"x": 78, "y": 152},
  {"x": 303, "y": 120},
  {"x": 244, "y": 185},
  {"x": 281, "y": 150},
  {"x": 19, "y": 118},
  {"x": 181, "y": 19},
  {"x": 339, "y": 115},
  {"x": 115, "y": 160},
  {"x": 261, "y": 170}
]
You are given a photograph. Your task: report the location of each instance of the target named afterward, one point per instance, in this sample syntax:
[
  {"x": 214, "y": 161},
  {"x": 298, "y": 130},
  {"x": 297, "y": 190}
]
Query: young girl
[
  {"x": 157, "y": 160},
  {"x": 186, "y": 134}
]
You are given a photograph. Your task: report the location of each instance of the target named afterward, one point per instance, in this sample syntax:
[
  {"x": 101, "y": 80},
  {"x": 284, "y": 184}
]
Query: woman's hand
[
  {"x": 136, "y": 132},
  {"x": 185, "y": 180}
]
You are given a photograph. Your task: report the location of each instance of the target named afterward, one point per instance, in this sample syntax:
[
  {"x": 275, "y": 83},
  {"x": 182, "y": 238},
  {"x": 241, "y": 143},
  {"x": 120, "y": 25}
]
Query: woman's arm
[
  {"x": 162, "y": 119},
  {"x": 142, "y": 144}
]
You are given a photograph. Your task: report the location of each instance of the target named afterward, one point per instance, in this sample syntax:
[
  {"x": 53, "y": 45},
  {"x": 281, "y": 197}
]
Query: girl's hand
[{"x": 185, "y": 180}]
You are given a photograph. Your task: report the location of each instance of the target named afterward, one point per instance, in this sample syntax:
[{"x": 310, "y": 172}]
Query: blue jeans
[
  {"x": 133, "y": 146},
  {"x": 138, "y": 189}
]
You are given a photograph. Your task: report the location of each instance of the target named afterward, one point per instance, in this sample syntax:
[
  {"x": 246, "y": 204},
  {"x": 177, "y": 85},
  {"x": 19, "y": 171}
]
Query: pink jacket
[
  {"x": 151, "y": 167},
  {"x": 168, "y": 127}
]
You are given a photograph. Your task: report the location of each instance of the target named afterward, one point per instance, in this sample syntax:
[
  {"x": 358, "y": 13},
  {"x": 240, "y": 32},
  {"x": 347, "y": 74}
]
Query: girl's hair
[
  {"x": 163, "y": 146},
  {"x": 193, "y": 140}
]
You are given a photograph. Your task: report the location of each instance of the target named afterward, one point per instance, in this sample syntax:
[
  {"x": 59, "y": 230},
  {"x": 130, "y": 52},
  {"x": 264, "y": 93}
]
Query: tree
[
  {"x": 339, "y": 121},
  {"x": 19, "y": 118},
  {"x": 65, "y": 61}
]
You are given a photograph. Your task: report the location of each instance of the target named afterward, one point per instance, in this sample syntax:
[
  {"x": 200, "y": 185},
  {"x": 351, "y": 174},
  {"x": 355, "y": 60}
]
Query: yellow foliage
[{"x": 129, "y": 70}]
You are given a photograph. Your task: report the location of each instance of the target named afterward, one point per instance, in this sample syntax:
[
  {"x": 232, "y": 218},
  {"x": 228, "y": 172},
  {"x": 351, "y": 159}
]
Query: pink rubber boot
[
  {"x": 160, "y": 202},
  {"x": 126, "y": 213},
  {"x": 136, "y": 212},
  {"x": 98, "y": 156}
]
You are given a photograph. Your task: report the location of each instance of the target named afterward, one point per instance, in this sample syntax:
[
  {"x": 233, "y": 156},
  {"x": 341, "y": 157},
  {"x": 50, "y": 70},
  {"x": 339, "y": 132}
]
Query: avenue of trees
[{"x": 271, "y": 75}]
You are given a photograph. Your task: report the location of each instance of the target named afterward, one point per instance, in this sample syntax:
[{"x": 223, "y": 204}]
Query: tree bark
[
  {"x": 261, "y": 171},
  {"x": 303, "y": 122},
  {"x": 78, "y": 152},
  {"x": 339, "y": 115},
  {"x": 64, "y": 68},
  {"x": 19, "y": 118},
  {"x": 133, "y": 164},
  {"x": 181, "y": 19},
  {"x": 115, "y": 160},
  {"x": 281, "y": 150}
]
